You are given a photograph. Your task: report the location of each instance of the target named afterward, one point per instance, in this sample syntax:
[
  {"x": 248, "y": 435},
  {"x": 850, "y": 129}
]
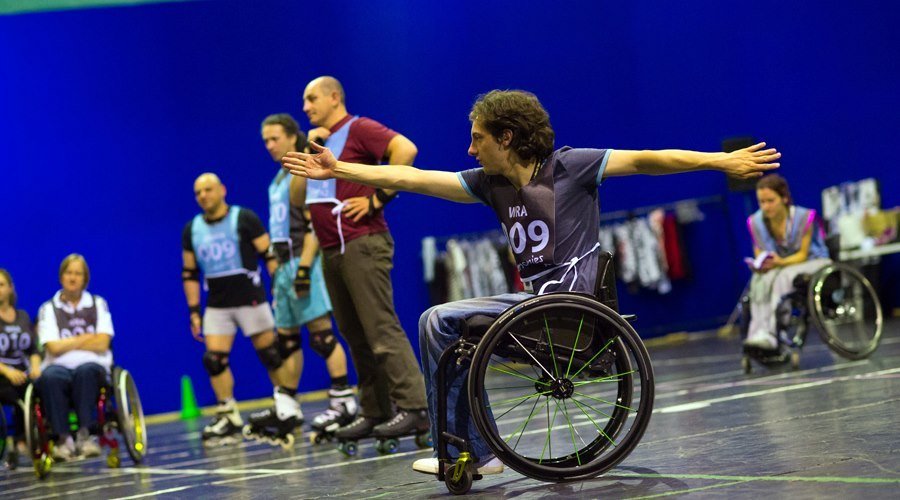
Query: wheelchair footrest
[{"x": 631, "y": 318}]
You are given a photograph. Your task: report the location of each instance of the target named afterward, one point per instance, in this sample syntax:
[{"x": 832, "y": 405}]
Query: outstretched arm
[
  {"x": 744, "y": 163},
  {"x": 323, "y": 165}
]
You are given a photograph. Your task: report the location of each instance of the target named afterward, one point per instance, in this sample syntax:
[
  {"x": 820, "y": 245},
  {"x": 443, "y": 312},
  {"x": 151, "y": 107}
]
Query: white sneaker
[
  {"x": 65, "y": 451},
  {"x": 484, "y": 468},
  {"x": 761, "y": 339},
  {"x": 87, "y": 444},
  {"x": 426, "y": 465}
]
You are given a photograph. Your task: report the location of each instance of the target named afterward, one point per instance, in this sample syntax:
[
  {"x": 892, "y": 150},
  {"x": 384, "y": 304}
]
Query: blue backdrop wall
[{"x": 108, "y": 115}]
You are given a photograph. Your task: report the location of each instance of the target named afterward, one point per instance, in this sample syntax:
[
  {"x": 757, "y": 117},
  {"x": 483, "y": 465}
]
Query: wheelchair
[
  {"x": 4, "y": 431},
  {"x": 118, "y": 409},
  {"x": 841, "y": 305},
  {"x": 560, "y": 386}
]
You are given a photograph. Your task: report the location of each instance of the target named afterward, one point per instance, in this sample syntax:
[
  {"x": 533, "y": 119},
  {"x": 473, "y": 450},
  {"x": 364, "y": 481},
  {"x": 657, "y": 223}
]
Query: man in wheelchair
[
  {"x": 75, "y": 329},
  {"x": 19, "y": 362},
  {"x": 789, "y": 247},
  {"x": 547, "y": 204}
]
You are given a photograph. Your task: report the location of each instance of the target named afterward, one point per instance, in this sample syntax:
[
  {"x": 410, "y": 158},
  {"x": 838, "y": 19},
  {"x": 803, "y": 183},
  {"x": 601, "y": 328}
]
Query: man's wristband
[
  {"x": 195, "y": 309},
  {"x": 383, "y": 197}
]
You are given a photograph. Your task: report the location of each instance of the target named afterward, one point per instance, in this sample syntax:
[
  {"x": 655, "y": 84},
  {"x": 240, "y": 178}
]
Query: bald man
[
  {"x": 358, "y": 253},
  {"x": 225, "y": 244}
]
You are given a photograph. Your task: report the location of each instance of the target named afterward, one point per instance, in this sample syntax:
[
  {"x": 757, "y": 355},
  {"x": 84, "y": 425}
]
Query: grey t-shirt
[{"x": 552, "y": 220}]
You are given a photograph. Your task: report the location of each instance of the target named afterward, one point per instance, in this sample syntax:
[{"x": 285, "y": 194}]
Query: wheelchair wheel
[
  {"x": 561, "y": 387},
  {"x": 3, "y": 432},
  {"x": 846, "y": 311},
  {"x": 130, "y": 414},
  {"x": 36, "y": 436}
]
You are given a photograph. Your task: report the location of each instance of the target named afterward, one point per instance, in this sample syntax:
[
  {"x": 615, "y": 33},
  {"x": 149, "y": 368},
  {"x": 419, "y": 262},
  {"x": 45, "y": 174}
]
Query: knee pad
[
  {"x": 323, "y": 343},
  {"x": 215, "y": 362},
  {"x": 270, "y": 357},
  {"x": 288, "y": 344}
]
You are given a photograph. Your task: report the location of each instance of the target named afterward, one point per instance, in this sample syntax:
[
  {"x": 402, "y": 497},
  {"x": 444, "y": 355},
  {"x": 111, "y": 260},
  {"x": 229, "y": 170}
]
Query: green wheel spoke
[
  {"x": 575, "y": 346},
  {"x": 601, "y": 351},
  {"x": 518, "y": 399},
  {"x": 526, "y": 351},
  {"x": 608, "y": 378},
  {"x": 595, "y": 410},
  {"x": 601, "y": 400},
  {"x": 504, "y": 388},
  {"x": 547, "y": 443},
  {"x": 550, "y": 341},
  {"x": 497, "y": 419},
  {"x": 571, "y": 432},
  {"x": 517, "y": 374},
  {"x": 512, "y": 369},
  {"x": 586, "y": 414},
  {"x": 521, "y": 429}
]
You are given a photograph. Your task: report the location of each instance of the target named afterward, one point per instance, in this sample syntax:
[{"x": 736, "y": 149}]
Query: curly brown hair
[
  {"x": 778, "y": 184},
  {"x": 521, "y": 113}
]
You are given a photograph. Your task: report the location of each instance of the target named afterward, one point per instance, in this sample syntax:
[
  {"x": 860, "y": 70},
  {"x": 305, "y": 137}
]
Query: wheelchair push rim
[
  {"x": 581, "y": 402},
  {"x": 36, "y": 436},
  {"x": 130, "y": 415},
  {"x": 846, "y": 311}
]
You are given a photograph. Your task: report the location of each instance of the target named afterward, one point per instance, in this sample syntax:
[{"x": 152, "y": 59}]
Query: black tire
[
  {"x": 846, "y": 311},
  {"x": 460, "y": 487},
  {"x": 130, "y": 414},
  {"x": 606, "y": 348}
]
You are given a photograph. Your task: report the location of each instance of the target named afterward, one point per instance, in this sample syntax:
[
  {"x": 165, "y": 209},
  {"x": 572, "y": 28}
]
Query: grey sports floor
[{"x": 828, "y": 430}]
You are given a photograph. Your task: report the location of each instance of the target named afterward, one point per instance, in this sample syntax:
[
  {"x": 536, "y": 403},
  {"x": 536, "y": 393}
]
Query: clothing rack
[{"x": 635, "y": 212}]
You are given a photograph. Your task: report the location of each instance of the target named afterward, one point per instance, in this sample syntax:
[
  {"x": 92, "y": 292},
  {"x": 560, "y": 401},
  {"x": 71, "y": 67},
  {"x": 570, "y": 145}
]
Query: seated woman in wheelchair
[
  {"x": 19, "y": 361},
  {"x": 794, "y": 245},
  {"x": 75, "y": 329},
  {"x": 547, "y": 203}
]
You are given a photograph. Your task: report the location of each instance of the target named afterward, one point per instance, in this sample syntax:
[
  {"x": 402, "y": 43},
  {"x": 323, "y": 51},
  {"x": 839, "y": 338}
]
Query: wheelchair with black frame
[
  {"x": 839, "y": 302},
  {"x": 560, "y": 386},
  {"x": 118, "y": 410}
]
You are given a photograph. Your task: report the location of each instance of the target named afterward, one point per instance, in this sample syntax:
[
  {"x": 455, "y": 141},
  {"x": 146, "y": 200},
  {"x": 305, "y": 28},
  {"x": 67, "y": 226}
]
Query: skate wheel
[
  {"x": 386, "y": 446},
  {"x": 795, "y": 360},
  {"x": 424, "y": 441},
  {"x": 745, "y": 364},
  {"x": 349, "y": 448},
  {"x": 288, "y": 442},
  {"x": 112, "y": 461},
  {"x": 461, "y": 485},
  {"x": 247, "y": 431}
]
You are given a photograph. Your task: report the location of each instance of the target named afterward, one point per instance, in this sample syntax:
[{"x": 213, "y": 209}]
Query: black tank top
[{"x": 17, "y": 341}]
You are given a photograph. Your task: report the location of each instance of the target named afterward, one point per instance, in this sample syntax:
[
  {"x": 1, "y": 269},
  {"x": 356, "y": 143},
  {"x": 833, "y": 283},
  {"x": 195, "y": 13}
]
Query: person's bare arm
[
  {"x": 35, "y": 371},
  {"x": 62, "y": 346},
  {"x": 192, "y": 295},
  {"x": 323, "y": 165},
  {"x": 95, "y": 342},
  {"x": 745, "y": 163}
]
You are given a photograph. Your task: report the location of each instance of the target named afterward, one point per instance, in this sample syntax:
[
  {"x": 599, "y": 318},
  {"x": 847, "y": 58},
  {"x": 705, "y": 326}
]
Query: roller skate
[
  {"x": 405, "y": 423},
  {"x": 225, "y": 429},
  {"x": 349, "y": 435},
  {"x": 275, "y": 425},
  {"x": 341, "y": 411}
]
